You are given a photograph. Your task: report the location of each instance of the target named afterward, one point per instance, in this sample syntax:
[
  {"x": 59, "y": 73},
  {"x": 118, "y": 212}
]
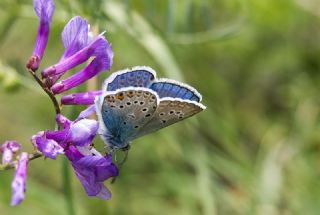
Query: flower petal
[
  {"x": 75, "y": 36},
  {"x": 96, "y": 66},
  {"x": 85, "y": 98},
  {"x": 8, "y": 149},
  {"x": 104, "y": 193},
  {"x": 19, "y": 182},
  {"x": 87, "y": 112},
  {"x": 49, "y": 147},
  {"x": 87, "y": 168},
  {"x": 44, "y": 9},
  {"x": 83, "y": 132},
  {"x": 62, "y": 120},
  {"x": 96, "y": 48}
]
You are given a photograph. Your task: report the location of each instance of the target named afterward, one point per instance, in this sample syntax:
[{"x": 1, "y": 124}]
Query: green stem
[{"x": 67, "y": 187}]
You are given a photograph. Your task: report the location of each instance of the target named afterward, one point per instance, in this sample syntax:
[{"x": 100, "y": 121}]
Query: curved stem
[
  {"x": 57, "y": 108},
  {"x": 48, "y": 91}
]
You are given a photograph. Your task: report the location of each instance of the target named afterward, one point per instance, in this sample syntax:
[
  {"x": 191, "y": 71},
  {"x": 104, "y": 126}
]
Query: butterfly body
[{"x": 135, "y": 103}]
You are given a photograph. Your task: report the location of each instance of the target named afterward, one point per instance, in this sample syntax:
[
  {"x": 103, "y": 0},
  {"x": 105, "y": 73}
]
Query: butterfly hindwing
[
  {"x": 170, "y": 111},
  {"x": 175, "y": 89},
  {"x": 125, "y": 111}
]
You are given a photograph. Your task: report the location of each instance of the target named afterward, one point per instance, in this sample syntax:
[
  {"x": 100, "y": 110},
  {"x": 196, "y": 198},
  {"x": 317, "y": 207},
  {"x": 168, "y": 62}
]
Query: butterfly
[{"x": 135, "y": 103}]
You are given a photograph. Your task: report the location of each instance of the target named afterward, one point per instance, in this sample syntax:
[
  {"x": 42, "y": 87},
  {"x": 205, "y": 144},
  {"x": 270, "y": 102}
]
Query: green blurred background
[{"x": 255, "y": 150}]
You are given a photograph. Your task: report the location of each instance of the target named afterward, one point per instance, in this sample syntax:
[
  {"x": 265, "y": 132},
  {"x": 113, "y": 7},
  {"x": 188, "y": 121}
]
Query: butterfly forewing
[
  {"x": 125, "y": 111},
  {"x": 170, "y": 111},
  {"x": 137, "y": 77}
]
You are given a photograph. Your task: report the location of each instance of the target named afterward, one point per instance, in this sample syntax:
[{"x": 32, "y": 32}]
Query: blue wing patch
[
  {"x": 137, "y": 77},
  {"x": 174, "y": 89},
  {"x": 124, "y": 112}
]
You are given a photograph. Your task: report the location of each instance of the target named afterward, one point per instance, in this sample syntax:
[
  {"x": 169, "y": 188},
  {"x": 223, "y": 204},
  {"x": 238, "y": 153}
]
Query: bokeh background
[{"x": 255, "y": 150}]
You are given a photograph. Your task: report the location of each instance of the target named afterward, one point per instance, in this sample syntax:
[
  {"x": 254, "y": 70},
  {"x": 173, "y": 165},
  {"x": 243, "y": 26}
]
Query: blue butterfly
[{"x": 135, "y": 103}]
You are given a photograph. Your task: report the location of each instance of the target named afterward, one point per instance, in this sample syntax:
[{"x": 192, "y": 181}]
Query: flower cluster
[{"x": 73, "y": 139}]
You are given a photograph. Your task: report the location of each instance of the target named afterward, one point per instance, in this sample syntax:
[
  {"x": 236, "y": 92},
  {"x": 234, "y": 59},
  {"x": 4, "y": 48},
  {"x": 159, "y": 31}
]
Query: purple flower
[
  {"x": 49, "y": 147},
  {"x": 100, "y": 63},
  {"x": 92, "y": 169},
  {"x": 81, "y": 132},
  {"x": 90, "y": 166},
  {"x": 19, "y": 182},
  {"x": 98, "y": 48},
  {"x": 84, "y": 98},
  {"x": 44, "y": 10},
  {"x": 75, "y": 36},
  {"x": 8, "y": 149}
]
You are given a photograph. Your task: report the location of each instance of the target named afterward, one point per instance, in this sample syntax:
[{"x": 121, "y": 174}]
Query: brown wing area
[{"x": 168, "y": 112}]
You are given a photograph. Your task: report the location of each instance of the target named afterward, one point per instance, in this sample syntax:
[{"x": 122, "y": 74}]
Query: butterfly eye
[
  {"x": 136, "y": 102},
  {"x": 141, "y": 103},
  {"x": 136, "y": 126},
  {"x": 148, "y": 115},
  {"x": 124, "y": 122},
  {"x": 121, "y": 106},
  {"x": 163, "y": 121},
  {"x": 128, "y": 103},
  {"x": 144, "y": 109},
  {"x": 171, "y": 112},
  {"x": 161, "y": 114}
]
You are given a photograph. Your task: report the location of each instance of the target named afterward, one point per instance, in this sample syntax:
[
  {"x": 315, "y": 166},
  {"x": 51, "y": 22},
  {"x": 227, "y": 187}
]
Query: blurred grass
[{"x": 255, "y": 150}]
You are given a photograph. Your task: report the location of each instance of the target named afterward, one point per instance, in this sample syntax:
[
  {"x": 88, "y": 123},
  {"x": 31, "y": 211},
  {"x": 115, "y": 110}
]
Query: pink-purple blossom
[
  {"x": 96, "y": 66},
  {"x": 19, "y": 182},
  {"x": 75, "y": 141},
  {"x": 79, "y": 133},
  {"x": 79, "y": 48},
  {"x": 74, "y": 138},
  {"x": 49, "y": 147},
  {"x": 75, "y": 36},
  {"x": 44, "y": 10},
  {"x": 92, "y": 169},
  {"x": 84, "y": 98},
  {"x": 8, "y": 149},
  {"x": 99, "y": 48}
]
